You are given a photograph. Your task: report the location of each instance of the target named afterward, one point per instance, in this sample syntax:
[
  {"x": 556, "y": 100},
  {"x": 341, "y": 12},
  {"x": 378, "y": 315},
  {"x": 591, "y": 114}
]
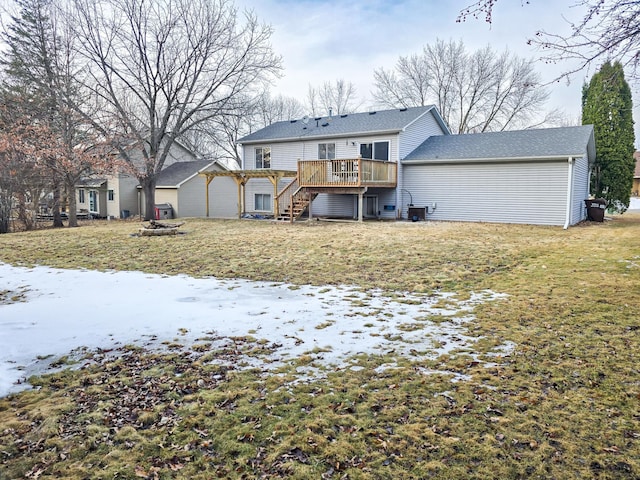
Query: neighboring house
[
  {"x": 635, "y": 190},
  {"x": 381, "y": 164},
  {"x": 181, "y": 186},
  {"x": 117, "y": 195}
]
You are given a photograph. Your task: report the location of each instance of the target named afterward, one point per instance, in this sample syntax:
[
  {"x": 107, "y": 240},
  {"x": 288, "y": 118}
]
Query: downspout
[{"x": 569, "y": 193}]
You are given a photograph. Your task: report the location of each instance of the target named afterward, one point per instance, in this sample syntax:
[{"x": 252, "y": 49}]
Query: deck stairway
[
  {"x": 295, "y": 209},
  {"x": 293, "y": 201}
]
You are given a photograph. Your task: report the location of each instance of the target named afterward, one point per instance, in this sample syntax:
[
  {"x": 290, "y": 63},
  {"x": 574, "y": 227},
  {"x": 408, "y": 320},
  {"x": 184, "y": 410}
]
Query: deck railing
[
  {"x": 348, "y": 172},
  {"x": 285, "y": 196}
]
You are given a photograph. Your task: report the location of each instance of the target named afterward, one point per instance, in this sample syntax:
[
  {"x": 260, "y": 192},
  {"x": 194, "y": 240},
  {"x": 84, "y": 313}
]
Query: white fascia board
[
  {"x": 436, "y": 115},
  {"x": 366, "y": 133},
  {"x": 436, "y": 161}
]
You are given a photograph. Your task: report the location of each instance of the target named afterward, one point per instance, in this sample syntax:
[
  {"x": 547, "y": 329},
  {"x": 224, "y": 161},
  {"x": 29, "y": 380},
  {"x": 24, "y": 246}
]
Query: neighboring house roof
[
  {"x": 177, "y": 173},
  {"x": 384, "y": 121},
  {"x": 91, "y": 182},
  {"x": 544, "y": 143},
  {"x": 636, "y": 173}
]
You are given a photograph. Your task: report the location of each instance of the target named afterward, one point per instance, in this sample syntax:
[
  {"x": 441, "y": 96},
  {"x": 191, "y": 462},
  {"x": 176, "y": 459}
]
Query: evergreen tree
[
  {"x": 40, "y": 81},
  {"x": 607, "y": 104}
]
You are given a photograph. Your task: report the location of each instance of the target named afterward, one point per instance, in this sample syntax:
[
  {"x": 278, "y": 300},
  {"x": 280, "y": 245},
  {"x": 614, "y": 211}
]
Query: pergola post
[
  {"x": 241, "y": 177},
  {"x": 274, "y": 181},
  {"x": 208, "y": 182},
  {"x": 240, "y": 181}
]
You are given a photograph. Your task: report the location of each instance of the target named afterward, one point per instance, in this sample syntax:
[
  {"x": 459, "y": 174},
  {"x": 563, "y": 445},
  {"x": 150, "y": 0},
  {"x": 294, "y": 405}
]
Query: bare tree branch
[
  {"x": 474, "y": 92},
  {"x": 158, "y": 70}
]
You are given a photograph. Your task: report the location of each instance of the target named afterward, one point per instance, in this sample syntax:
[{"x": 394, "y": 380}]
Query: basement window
[{"x": 262, "y": 202}]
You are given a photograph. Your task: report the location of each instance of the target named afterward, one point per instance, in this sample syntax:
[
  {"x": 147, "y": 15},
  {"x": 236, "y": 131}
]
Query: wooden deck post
[
  {"x": 208, "y": 182},
  {"x": 360, "y": 205}
]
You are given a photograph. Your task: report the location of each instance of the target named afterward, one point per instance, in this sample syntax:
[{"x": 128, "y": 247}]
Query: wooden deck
[{"x": 349, "y": 172}]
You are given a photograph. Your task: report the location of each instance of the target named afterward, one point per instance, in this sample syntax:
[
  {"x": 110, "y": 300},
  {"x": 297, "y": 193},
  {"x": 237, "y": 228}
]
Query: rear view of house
[
  {"x": 393, "y": 164},
  {"x": 347, "y": 165}
]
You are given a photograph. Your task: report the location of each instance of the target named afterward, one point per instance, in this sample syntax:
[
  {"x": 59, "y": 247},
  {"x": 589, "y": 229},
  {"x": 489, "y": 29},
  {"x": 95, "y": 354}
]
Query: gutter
[
  {"x": 443, "y": 161},
  {"x": 321, "y": 136},
  {"x": 569, "y": 193}
]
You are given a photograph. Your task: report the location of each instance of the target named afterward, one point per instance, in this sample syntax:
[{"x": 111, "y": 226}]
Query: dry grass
[{"x": 564, "y": 404}]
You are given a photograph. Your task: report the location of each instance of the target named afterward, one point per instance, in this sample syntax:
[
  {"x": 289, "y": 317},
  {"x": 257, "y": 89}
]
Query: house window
[
  {"x": 110, "y": 195},
  {"x": 375, "y": 151},
  {"x": 263, "y": 157},
  {"x": 263, "y": 202},
  {"x": 81, "y": 195},
  {"x": 326, "y": 151}
]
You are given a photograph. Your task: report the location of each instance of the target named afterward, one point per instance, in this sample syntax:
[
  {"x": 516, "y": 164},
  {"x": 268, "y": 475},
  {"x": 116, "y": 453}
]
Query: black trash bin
[{"x": 595, "y": 209}]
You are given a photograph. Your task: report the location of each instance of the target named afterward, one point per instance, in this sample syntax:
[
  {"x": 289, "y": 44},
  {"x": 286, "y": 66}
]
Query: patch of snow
[{"x": 64, "y": 311}]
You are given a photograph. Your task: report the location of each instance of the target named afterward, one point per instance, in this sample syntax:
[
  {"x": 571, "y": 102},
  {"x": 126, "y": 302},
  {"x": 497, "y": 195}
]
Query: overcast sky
[{"x": 325, "y": 40}]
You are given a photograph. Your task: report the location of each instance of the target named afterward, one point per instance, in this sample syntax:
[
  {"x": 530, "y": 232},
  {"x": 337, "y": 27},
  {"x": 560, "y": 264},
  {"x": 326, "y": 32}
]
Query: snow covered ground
[{"x": 46, "y": 313}]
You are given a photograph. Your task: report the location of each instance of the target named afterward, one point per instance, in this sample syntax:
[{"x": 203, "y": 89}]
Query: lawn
[{"x": 564, "y": 403}]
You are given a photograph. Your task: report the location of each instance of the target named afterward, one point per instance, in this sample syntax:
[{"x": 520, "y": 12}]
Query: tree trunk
[
  {"x": 73, "y": 206},
  {"x": 149, "y": 189},
  {"x": 57, "y": 217}
]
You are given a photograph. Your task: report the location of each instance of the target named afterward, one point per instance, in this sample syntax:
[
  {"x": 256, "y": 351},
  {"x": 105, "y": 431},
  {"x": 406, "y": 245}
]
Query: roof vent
[
  {"x": 372, "y": 113},
  {"x": 326, "y": 124},
  {"x": 317, "y": 118},
  {"x": 344, "y": 115},
  {"x": 403, "y": 109},
  {"x": 293, "y": 121}
]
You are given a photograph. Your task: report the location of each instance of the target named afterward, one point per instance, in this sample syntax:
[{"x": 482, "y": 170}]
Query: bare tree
[
  {"x": 218, "y": 137},
  {"x": 608, "y": 29},
  {"x": 409, "y": 84},
  {"x": 270, "y": 109},
  {"x": 474, "y": 92},
  {"x": 157, "y": 70},
  {"x": 338, "y": 98}
]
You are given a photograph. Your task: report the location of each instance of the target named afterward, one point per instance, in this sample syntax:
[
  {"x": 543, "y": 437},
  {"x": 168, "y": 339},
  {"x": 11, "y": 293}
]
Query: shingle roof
[
  {"x": 534, "y": 143},
  {"x": 178, "y": 172},
  {"x": 91, "y": 182},
  {"x": 341, "y": 125}
]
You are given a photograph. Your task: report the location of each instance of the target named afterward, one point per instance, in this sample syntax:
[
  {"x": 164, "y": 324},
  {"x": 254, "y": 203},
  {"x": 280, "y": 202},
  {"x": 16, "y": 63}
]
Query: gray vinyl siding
[
  {"x": 334, "y": 206},
  {"x": 410, "y": 139},
  {"x": 416, "y": 133},
  {"x": 223, "y": 198},
  {"x": 519, "y": 192},
  {"x": 580, "y": 190},
  {"x": 386, "y": 196},
  {"x": 127, "y": 195}
]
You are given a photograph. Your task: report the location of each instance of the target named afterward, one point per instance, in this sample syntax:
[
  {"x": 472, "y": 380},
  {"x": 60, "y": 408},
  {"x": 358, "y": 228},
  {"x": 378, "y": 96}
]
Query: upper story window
[
  {"x": 375, "y": 151},
  {"x": 326, "y": 151},
  {"x": 263, "y": 157}
]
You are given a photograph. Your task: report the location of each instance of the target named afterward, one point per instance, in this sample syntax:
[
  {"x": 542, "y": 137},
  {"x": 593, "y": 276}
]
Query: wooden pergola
[{"x": 241, "y": 177}]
